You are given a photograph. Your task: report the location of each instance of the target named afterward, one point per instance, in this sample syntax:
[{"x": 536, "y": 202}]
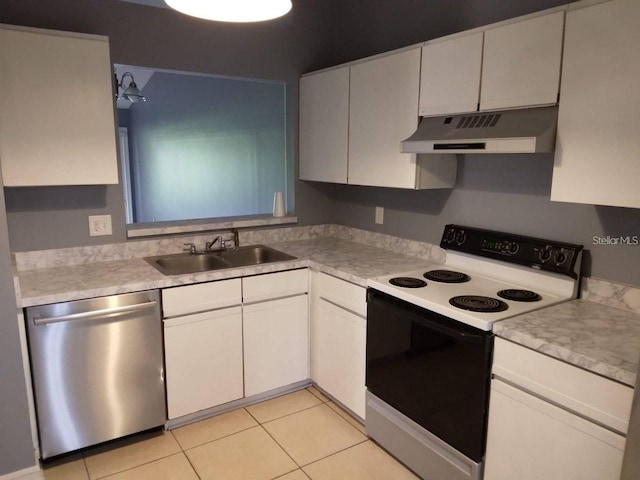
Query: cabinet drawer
[
  {"x": 275, "y": 285},
  {"x": 585, "y": 393},
  {"x": 201, "y": 297},
  {"x": 344, "y": 294}
]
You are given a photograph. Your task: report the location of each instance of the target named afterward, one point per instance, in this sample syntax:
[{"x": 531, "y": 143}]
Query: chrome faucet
[
  {"x": 191, "y": 248},
  {"x": 236, "y": 238},
  {"x": 208, "y": 247}
]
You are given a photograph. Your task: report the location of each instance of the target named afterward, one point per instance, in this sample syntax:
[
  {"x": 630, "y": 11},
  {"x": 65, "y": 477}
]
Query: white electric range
[{"x": 430, "y": 346}]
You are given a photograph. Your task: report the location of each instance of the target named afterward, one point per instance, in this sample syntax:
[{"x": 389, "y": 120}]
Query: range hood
[{"x": 531, "y": 130}]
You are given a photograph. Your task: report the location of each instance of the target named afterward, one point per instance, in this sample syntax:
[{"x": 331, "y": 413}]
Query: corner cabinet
[
  {"x": 598, "y": 145},
  {"x": 324, "y": 126},
  {"x": 57, "y": 122},
  {"x": 338, "y": 340}
]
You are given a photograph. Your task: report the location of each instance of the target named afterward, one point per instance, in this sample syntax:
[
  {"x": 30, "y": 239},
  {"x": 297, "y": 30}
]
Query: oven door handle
[{"x": 453, "y": 332}]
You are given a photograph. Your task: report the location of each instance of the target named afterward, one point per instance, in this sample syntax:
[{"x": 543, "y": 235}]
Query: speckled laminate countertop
[
  {"x": 350, "y": 261},
  {"x": 595, "y": 337}
]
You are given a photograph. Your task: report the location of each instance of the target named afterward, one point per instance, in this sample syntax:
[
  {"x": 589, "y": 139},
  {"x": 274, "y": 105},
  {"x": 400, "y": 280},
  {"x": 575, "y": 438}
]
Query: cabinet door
[
  {"x": 338, "y": 354},
  {"x": 530, "y": 439},
  {"x": 450, "y": 76},
  {"x": 56, "y": 110},
  {"x": 276, "y": 344},
  {"x": 324, "y": 126},
  {"x": 521, "y": 63},
  {"x": 383, "y": 111},
  {"x": 203, "y": 355},
  {"x": 598, "y": 144}
]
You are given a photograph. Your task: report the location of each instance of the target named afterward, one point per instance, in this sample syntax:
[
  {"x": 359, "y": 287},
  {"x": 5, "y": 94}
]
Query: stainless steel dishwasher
[{"x": 97, "y": 369}]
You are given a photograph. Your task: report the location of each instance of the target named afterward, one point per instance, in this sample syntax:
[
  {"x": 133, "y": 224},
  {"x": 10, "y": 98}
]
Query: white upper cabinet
[
  {"x": 56, "y": 110},
  {"x": 598, "y": 143},
  {"x": 383, "y": 112},
  {"x": 521, "y": 63},
  {"x": 324, "y": 126},
  {"x": 450, "y": 76}
]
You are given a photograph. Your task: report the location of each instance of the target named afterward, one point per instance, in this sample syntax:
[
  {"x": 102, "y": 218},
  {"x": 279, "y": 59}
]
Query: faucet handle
[{"x": 191, "y": 248}]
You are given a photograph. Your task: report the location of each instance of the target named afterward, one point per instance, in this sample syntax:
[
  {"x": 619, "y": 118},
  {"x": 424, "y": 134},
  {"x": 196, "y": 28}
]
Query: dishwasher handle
[{"x": 93, "y": 314}]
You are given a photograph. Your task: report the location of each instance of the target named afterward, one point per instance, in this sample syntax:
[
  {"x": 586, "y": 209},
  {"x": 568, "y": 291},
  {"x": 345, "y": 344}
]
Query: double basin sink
[{"x": 186, "y": 263}]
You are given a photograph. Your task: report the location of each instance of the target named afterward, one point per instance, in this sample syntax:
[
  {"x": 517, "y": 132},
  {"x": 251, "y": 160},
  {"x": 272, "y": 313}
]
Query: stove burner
[
  {"x": 476, "y": 303},
  {"x": 519, "y": 295},
  {"x": 408, "y": 282},
  {"x": 447, "y": 276}
]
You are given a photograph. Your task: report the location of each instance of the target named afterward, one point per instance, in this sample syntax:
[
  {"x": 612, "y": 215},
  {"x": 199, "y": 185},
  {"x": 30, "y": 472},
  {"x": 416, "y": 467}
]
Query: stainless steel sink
[{"x": 185, "y": 263}]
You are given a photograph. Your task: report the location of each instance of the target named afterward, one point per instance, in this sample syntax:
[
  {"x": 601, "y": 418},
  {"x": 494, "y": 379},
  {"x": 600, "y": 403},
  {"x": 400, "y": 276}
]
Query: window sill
[{"x": 171, "y": 228}]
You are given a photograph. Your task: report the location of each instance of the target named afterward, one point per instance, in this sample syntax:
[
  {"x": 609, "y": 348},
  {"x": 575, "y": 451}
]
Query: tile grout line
[
  {"x": 311, "y": 392},
  {"x": 287, "y": 415},
  {"x": 216, "y": 439},
  {"x": 276, "y": 442},
  {"x": 335, "y": 453},
  {"x": 184, "y": 452},
  {"x": 136, "y": 466}
]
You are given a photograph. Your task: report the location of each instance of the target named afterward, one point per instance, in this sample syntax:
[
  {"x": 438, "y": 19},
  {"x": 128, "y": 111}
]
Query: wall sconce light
[{"x": 131, "y": 92}]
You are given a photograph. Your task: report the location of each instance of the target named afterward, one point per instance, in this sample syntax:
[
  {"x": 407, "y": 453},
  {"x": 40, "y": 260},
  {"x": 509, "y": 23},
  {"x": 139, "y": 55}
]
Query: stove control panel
[{"x": 529, "y": 251}]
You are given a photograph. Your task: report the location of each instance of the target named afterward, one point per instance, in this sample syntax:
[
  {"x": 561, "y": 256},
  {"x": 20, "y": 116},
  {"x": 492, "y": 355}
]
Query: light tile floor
[{"x": 298, "y": 436}]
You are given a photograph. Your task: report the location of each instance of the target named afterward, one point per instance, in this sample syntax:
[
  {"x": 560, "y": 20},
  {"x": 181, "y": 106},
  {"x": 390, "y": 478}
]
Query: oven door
[{"x": 431, "y": 368}]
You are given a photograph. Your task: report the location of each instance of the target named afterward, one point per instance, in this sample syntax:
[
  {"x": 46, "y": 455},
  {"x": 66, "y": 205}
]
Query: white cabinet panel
[
  {"x": 450, "y": 76},
  {"x": 201, "y": 297},
  {"x": 56, "y": 110},
  {"x": 598, "y": 144},
  {"x": 338, "y": 340},
  {"x": 324, "y": 126},
  {"x": 203, "y": 355},
  {"x": 276, "y": 344},
  {"x": 521, "y": 63},
  {"x": 529, "y": 439},
  {"x": 275, "y": 285},
  {"x": 383, "y": 111}
]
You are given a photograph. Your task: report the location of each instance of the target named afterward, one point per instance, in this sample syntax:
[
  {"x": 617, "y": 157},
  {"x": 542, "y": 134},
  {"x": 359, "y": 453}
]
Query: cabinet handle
[{"x": 354, "y": 312}]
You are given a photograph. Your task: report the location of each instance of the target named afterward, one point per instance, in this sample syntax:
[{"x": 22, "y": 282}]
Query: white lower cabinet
[
  {"x": 203, "y": 354},
  {"x": 338, "y": 340},
  {"x": 553, "y": 421},
  {"x": 276, "y": 344},
  {"x": 530, "y": 439}
]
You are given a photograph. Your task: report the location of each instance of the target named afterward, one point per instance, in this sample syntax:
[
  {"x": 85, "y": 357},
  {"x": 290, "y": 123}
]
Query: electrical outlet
[
  {"x": 99, "y": 225},
  {"x": 380, "y": 215}
]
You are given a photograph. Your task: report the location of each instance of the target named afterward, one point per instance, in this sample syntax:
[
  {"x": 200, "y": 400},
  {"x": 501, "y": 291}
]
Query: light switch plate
[
  {"x": 99, "y": 225},
  {"x": 380, "y": 215}
]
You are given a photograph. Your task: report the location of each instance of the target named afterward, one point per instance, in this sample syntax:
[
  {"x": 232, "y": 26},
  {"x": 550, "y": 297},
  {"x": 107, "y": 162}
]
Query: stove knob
[
  {"x": 560, "y": 258},
  {"x": 451, "y": 236},
  {"x": 461, "y": 237},
  {"x": 545, "y": 255},
  {"x": 513, "y": 248}
]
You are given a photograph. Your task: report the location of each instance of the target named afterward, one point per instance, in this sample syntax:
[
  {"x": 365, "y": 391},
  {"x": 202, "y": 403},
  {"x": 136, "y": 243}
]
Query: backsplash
[{"x": 595, "y": 290}]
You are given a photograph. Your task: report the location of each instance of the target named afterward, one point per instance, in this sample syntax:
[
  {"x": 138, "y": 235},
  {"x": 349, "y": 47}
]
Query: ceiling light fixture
[
  {"x": 132, "y": 92},
  {"x": 232, "y": 10}
]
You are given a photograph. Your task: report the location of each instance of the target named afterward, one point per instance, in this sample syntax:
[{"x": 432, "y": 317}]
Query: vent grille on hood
[
  {"x": 531, "y": 130},
  {"x": 479, "y": 121}
]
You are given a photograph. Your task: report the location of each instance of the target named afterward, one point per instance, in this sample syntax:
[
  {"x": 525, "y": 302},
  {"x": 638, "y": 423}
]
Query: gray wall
[
  {"x": 501, "y": 192},
  {"x": 16, "y": 449}
]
